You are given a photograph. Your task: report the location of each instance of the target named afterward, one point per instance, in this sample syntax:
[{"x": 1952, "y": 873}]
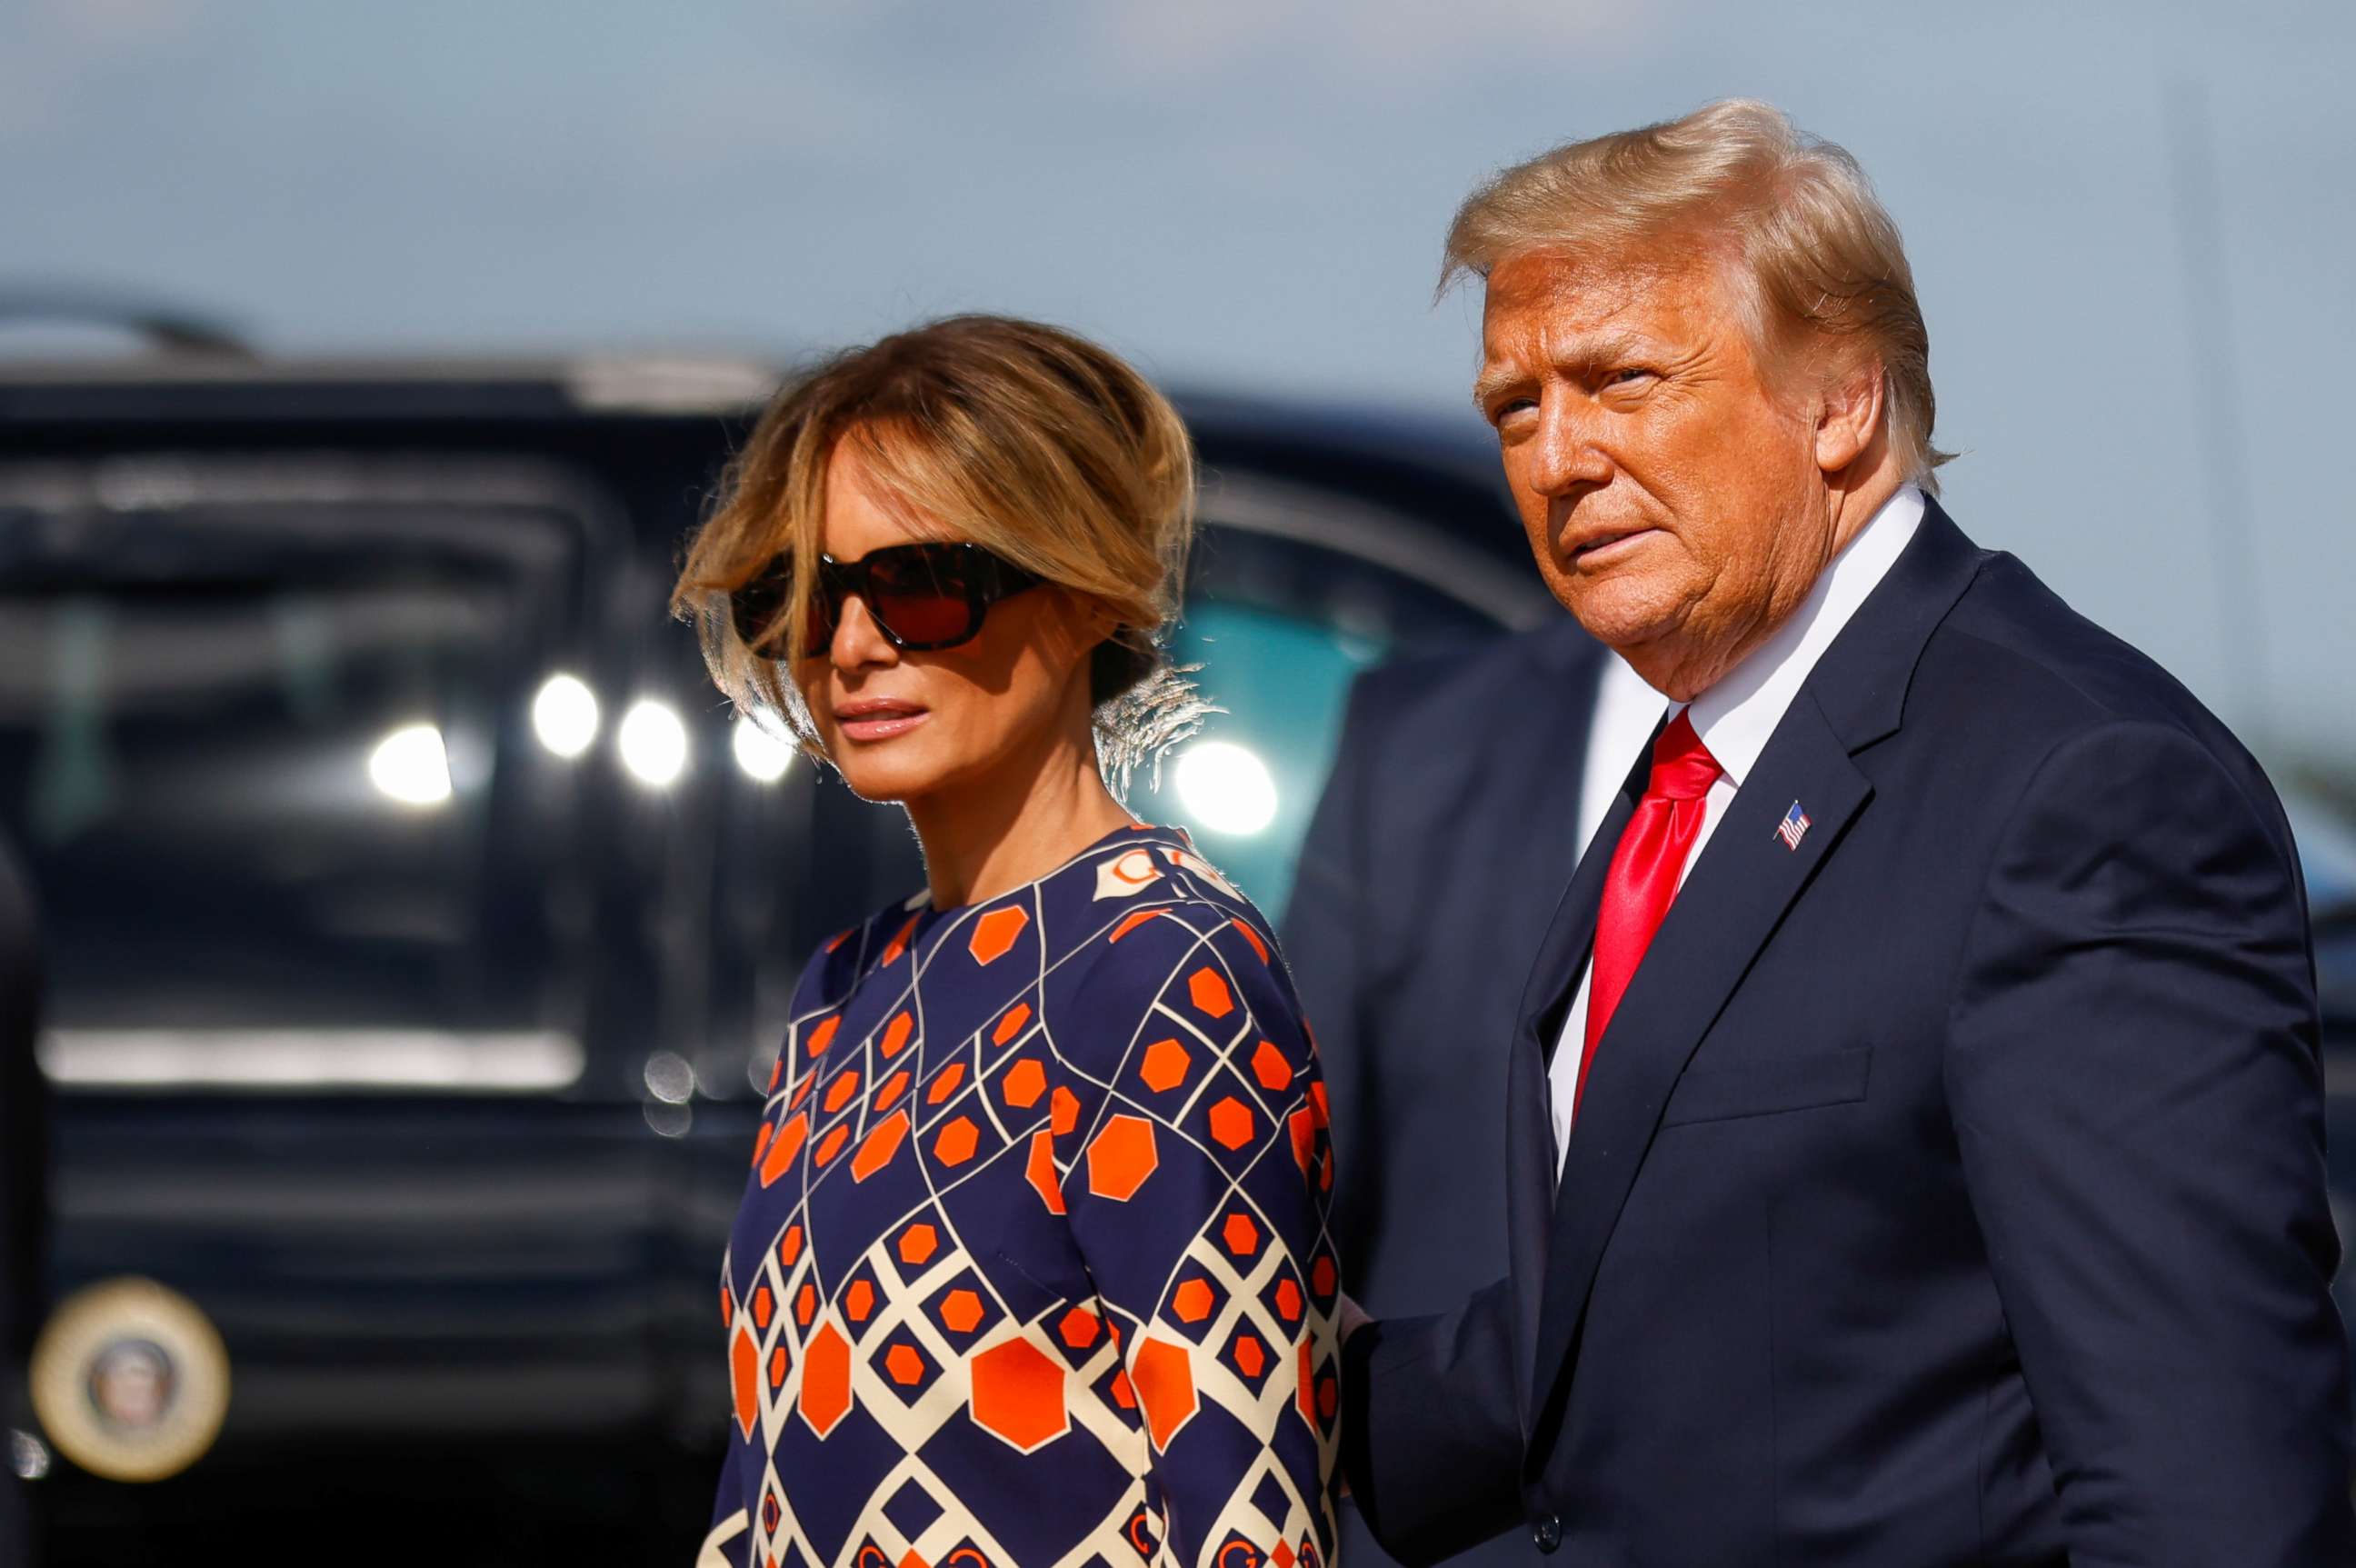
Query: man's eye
[
  {"x": 1627, "y": 373},
  {"x": 1510, "y": 407}
]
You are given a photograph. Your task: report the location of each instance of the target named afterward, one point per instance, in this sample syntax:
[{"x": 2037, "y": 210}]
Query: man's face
[{"x": 1672, "y": 500}]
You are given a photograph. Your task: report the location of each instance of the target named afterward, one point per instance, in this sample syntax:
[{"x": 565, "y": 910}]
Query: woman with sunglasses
[{"x": 1031, "y": 1266}]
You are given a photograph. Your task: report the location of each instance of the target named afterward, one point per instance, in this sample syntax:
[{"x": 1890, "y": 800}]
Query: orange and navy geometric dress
[{"x": 1032, "y": 1267}]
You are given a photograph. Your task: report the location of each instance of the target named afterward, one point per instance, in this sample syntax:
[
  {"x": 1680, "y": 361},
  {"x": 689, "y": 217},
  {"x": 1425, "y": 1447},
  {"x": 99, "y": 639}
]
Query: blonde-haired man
[{"x": 1915, "y": 1121}]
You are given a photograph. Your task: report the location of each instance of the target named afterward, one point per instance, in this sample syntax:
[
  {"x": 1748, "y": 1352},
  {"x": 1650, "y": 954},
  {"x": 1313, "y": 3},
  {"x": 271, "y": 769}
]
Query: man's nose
[
  {"x": 1567, "y": 455},
  {"x": 858, "y": 641}
]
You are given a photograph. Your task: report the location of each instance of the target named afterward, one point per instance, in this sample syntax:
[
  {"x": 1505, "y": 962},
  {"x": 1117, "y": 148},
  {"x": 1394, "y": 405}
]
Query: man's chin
[{"x": 1623, "y": 615}]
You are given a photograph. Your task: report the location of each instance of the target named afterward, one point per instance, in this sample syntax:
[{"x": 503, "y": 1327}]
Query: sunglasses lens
[
  {"x": 921, "y": 596},
  {"x": 757, "y": 603}
]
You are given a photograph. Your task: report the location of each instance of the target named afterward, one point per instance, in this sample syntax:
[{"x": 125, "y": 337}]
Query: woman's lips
[{"x": 878, "y": 720}]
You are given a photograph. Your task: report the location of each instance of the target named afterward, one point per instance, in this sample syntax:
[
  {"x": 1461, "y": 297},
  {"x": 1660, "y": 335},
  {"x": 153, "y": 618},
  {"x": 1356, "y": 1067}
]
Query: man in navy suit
[
  {"x": 1441, "y": 840},
  {"x": 1914, "y": 1147}
]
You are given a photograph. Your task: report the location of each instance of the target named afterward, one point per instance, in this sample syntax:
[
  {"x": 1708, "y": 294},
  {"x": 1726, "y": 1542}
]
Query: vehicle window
[
  {"x": 269, "y": 763},
  {"x": 1291, "y": 595}
]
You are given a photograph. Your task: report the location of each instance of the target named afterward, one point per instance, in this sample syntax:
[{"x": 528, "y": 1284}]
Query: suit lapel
[
  {"x": 1729, "y": 908},
  {"x": 1529, "y": 1129},
  {"x": 1732, "y": 903}
]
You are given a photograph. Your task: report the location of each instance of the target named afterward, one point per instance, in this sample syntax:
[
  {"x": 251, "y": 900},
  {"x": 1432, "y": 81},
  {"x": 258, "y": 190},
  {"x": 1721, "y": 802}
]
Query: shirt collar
[{"x": 1736, "y": 716}]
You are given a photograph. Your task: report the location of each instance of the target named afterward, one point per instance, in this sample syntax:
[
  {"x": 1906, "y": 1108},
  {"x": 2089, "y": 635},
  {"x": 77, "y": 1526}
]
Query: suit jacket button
[{"x": 1547, "y": 1532}]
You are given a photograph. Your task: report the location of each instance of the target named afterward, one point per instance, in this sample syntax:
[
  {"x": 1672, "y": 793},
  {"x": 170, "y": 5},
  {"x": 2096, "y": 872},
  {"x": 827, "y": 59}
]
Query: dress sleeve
[
  {"x": 1194, "y": 1170},
  {"x": 724, "y": 1545}
]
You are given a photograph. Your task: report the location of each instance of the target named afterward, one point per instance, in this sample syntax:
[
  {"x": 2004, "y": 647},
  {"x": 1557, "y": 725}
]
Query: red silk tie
[{"x": 1650, "y": 857}]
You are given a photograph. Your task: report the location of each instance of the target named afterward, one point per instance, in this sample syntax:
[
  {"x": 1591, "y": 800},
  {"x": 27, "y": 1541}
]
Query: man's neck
[{"x": 1681, "y": 671}]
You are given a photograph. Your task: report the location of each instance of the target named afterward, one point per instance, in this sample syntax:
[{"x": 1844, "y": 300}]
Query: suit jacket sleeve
[
  {"x": 2134, "y": 1071},
  {"x": 1429, "y": 1438},
  {"x": 1326, "y": 937}
]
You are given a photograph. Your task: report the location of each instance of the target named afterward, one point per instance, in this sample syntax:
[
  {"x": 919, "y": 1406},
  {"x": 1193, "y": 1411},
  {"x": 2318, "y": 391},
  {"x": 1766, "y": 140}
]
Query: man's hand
[{"x": 1354, "y": 1317}]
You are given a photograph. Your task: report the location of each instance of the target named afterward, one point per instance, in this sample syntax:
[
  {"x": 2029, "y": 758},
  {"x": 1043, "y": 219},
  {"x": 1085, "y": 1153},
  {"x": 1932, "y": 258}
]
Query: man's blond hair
[{"x": 1817, "y": 260}]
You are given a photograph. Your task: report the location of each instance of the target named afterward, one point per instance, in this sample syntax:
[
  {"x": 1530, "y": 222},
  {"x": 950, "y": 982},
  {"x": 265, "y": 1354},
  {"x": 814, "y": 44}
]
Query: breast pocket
[{"x": 1713, "y": 1093}]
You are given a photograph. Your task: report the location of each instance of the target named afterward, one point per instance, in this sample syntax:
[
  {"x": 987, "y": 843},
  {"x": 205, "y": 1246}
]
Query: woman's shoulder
[
  {"x": 833, "y": 971},
  {"x": 1156, "y": 919}
]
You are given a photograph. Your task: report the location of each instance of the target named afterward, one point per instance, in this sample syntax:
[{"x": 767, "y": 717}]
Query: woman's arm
[{"x": 1195, "y": 1174}]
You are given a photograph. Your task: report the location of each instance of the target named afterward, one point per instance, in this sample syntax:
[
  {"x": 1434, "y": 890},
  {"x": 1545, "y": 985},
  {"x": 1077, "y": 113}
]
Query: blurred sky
[{"x": 1250, "y": 194}]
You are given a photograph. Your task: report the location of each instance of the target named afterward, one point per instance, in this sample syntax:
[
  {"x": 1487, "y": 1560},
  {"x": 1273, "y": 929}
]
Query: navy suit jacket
[
  {"x": 1947, "y": 1189},
  {"x": 1436, "y": 856}
]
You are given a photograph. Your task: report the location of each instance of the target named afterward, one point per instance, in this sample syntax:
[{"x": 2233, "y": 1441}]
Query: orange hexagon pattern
[
  {"x": 1231, "y": 1122},
  {"x": 1191, "y": 1301},
  {"x": 1018, "y": 1393},
  {"x": 1023, "y": 1083},
  {"x": 1240, "y": 1234},
  {"x": 1210, "y": 993},
  {"x": 1121, "y": 1157},
  {"x": 1165, "y": 1380},
  {"x": 1269, "y": 1067},
  {"x": 1164, "y": 1066},
  {"x": 1079, "y": 1328},
  {"x": 825, "y": 1379},
  {"x": 957, "y": 1143},
  {"x": 743, "y": 1369},
  {"x": 994, "y": 934},
  {"x": 881, "y": 1146}
]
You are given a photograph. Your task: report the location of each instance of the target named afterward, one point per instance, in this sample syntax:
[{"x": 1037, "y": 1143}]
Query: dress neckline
[{"x": 921, "y": 903}]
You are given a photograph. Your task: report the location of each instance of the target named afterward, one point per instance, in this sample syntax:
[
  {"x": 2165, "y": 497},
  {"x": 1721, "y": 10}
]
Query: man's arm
[
  {"x": 1431, "y": 1440},
  {"x": 1326, "y": 939},
  {"x": 2134, "y": 1072}
]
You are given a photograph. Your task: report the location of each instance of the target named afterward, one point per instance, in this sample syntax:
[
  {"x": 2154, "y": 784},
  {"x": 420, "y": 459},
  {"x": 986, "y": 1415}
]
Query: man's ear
[{"x": 1850, "y": 416}]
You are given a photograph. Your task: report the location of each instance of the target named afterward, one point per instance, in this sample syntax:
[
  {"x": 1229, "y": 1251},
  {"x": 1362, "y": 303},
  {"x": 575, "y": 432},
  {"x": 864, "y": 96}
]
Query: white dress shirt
[{"x": 1734, "y": 718}]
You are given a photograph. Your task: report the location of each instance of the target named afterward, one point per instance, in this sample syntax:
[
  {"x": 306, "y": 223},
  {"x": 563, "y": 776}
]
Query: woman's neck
[{"x": 989, "y": 836}]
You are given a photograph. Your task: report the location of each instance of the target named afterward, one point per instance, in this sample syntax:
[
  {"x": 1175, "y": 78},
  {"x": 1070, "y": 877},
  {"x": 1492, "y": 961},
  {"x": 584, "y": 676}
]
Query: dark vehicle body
[{"x": 432, "y": 1090}]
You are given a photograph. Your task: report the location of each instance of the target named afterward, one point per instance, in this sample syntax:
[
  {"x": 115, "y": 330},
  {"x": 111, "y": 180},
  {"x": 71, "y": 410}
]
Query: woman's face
[{"x": 904, "y": 725}]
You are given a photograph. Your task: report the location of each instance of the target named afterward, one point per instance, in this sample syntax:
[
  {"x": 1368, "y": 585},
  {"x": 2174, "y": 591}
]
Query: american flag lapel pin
[{"x": 1793, "y": 827}]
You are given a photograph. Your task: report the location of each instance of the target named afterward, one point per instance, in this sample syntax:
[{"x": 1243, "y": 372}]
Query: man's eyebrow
[
  {"x": 1586, "y": 354},
  {"x": 1490, "y": 383}
]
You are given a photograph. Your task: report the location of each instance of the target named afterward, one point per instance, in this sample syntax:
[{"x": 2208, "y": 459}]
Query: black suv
[{"x": 419, "y": 923}]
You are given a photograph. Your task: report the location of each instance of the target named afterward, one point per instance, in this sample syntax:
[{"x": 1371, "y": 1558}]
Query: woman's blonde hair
[
  {"x": 1035, "y": 444},
  {"x": 1815, "y": 257}
]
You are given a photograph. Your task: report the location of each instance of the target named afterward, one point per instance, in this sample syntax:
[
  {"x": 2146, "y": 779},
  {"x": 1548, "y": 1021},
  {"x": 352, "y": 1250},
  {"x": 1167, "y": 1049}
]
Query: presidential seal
[{"x": 130, "y": 1380}]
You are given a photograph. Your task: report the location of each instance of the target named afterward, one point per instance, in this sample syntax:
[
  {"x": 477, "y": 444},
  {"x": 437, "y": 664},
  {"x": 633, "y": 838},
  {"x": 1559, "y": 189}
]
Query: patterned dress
[{"x": 1032, "y": 1267}]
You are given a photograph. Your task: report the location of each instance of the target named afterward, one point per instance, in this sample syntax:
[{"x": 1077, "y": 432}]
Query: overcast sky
[{"x": 1250, "y": 194}]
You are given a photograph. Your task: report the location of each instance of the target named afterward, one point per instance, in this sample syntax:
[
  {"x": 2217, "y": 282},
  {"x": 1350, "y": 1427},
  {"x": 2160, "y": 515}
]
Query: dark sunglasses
[{"x": 921, "y": 596}]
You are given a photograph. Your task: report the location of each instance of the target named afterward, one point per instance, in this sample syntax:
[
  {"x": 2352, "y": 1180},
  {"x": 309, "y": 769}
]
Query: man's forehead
[
  {"x": 1562, "y": 292},
  {"x": 1589, "y": 281}
]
